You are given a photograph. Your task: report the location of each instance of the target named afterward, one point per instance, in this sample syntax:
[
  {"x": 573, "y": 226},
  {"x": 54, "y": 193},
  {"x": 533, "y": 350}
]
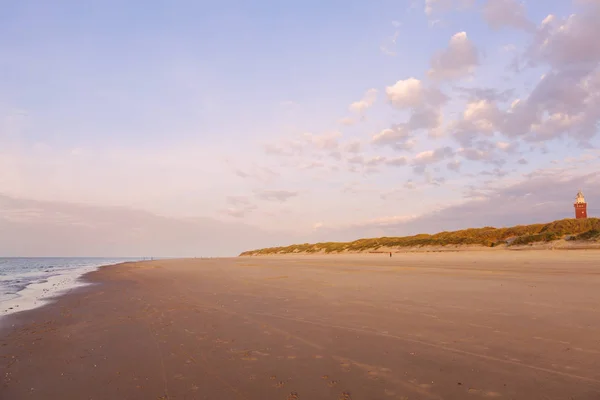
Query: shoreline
[
  {"x": 318, "y": 327},
  {"x": 46, "y": 291}
]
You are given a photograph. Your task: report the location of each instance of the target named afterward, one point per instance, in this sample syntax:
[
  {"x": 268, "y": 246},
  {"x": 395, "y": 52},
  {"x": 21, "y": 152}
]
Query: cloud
[
  {"x": 305, "y": 143},
  {"x": 428, "y": 118},
  {"x": 241, "y": 206},
  {"x": 430, "y": 157},
  {"x": 507, "y": 13},
  {"x": 359, "y": 107},
  {"x": 367, "y": 164},
  {"x": 477, "y": 154},
  {"x": 238, "y": 200},
  {"x": 238, "y": 212},
  {"x": 281, "y": 149},
  {"x": 473, "y": 94},
  {"x": 496, "y": 173},
  {"x": 397, "y": 161},
  {"x": 424, "y": 104},
  {"x": 347, "y": 121},
  {"x": 40, "y": 228},
  {"x": 408, "y": 93},
  {"x": 327, "y": 141},
  {"x": 412, "y": 93},
  {"x": 397, "y": 137},
  {"x": 353, "y": 146},
  {"x": 543, "y": 196},
  {"x": 257, "y": 173},
  {"x": 454, "y": 165},
  {"x": 457, "y": 61},
  {"x": 570, "y": 41},
  {"x": 275, "y": 195},
  {"x": 563, "y": 103},
  {"x": 387, "y": 47},
  {"x": 480, "y": 118},
  {"x": 507, "y": 147}
]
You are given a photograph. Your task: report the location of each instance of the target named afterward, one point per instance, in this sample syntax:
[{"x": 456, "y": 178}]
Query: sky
[{"x": 205, "y": 128}]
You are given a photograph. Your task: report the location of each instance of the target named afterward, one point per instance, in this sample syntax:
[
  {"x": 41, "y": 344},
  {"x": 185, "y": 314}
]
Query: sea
[{"x": 27, "y": 283}]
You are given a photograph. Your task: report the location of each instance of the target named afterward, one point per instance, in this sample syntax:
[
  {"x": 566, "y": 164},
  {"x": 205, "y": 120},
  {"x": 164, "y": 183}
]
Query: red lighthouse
[{"x": 580, "y": 206}]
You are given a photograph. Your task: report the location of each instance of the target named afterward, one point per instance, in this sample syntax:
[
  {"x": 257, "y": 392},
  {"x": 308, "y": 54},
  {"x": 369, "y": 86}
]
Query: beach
[{"x": 456, "y": 325}]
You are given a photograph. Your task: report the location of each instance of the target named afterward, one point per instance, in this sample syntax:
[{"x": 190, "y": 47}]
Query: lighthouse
[{"x": 580, "y": 206}]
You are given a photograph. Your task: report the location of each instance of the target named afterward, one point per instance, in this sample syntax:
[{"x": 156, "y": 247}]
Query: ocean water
[{"x": 27, "y": 283}]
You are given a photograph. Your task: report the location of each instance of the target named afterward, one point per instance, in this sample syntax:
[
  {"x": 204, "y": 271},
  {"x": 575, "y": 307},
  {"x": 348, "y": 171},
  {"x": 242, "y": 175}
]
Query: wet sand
[{"x": 509, "y": 325}]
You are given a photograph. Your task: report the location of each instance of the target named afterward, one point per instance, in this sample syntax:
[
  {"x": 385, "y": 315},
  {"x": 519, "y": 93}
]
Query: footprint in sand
[
  {"x": 293, "y": 396},
  {"x": 345, "y": 396}
]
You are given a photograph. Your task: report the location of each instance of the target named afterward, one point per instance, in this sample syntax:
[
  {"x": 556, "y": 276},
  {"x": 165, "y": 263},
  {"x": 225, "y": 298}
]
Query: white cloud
[
  {"x": 397, "y": 137},
  {"x": 457, "y": 61},
  {"x": 426, "y": 158},
  {"x": 433, "y": 156},
  {"x": 411, "y": 93},
  {"x": 359, "y": 107},
  {"x": 408, "y": 93},
  {"x": 480, "y": 117},
  {"x": 424, "y": 104}
]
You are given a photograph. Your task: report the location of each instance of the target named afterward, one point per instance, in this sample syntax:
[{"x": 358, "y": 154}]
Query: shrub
[{"x": 583, "y": 229}]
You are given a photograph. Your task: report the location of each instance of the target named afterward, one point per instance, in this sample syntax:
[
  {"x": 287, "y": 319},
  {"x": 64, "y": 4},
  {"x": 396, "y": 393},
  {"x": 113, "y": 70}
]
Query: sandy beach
[{"x": 506, "y": 325}]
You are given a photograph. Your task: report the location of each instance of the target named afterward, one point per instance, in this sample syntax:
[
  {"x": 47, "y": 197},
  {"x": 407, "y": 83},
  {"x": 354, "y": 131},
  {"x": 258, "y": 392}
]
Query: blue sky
[{"x": 267, "y": 113}]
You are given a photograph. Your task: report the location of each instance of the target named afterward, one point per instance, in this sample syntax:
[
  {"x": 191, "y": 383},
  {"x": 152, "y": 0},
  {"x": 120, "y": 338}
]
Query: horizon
[
  {"x": 214, "y": 128},
  {"x": 153, "y": 258}
]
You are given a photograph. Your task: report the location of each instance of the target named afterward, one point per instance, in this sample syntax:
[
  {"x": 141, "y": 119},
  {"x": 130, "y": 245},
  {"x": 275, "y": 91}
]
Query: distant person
[{"x": 390, "y": 254}]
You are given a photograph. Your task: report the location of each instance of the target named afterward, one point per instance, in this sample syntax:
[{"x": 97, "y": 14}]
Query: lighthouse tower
[{"x": 580, "y": 206}]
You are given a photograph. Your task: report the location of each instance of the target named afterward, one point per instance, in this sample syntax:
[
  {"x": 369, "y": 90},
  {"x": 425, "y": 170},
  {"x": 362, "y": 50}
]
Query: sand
[{"x": 505, "y": 325}]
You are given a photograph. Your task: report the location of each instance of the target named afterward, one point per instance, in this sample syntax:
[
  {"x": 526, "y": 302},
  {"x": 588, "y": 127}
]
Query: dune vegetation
[{"x": 569, "y": 229}]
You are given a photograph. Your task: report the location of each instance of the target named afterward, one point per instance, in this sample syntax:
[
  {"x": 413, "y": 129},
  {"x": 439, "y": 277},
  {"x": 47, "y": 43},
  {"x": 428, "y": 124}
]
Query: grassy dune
[{"x": 571, "y": 229}]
